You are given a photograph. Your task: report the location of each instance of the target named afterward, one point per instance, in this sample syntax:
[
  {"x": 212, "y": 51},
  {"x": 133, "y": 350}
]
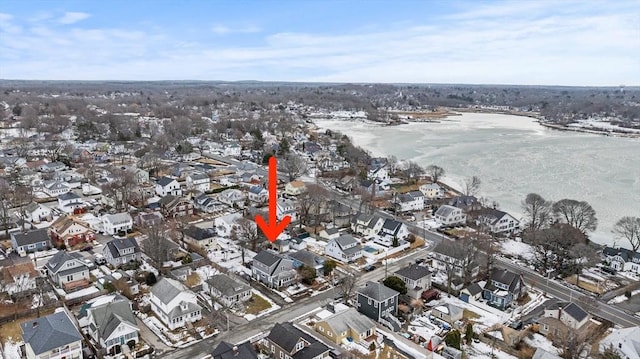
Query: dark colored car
[{"x": 369, "y": 268}]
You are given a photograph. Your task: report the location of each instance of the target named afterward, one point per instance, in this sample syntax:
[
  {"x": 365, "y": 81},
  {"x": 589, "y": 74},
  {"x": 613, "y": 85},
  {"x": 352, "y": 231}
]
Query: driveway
[{"x": 150, "y": 338}]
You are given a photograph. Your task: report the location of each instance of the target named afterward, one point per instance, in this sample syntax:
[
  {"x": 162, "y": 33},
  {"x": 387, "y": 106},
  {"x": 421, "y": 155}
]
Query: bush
[
  {"x": 187, "y": 259},
  {"x": 627, "y": 294},
  {"x": 396, "y": 284},
  {"x": 372, "y": 346},
  {"x": 453, "y": 339}
]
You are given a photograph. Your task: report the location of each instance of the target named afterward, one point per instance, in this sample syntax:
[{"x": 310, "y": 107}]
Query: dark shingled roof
[
  {"x": 414, "y": 272},
  {"x": 225, "y": 350},
  {"x": 164, "y": 181},
  {"x": 286, "y": 336},
  {"x": 267, "y": 258},
  {"x": 31, "y": 237},
  {"x": 377, "y": 291}
]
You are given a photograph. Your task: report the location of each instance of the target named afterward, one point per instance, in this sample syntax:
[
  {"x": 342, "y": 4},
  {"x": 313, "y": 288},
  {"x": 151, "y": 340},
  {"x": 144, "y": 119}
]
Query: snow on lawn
[
  {"x": 482, "y": 350},
  {"x": 12, "y": 350},
  {"x": 206, "y": 272},
  {"x": 515, "y": 249},
  {"x": 82, "y": 293},
  {"x": 409, "y": 349},
  {"x": 488, "y": 315},
  {"x": 540, "y": 341},
  {"x": 622, "y": 298}
]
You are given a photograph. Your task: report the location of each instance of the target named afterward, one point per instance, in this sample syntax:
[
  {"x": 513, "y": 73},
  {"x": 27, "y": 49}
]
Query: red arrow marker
[{"x": 273, "y": 229}]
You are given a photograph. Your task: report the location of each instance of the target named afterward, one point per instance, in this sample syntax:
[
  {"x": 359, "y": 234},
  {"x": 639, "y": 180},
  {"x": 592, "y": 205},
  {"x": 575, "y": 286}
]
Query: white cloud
[
  {"x": 73, "y": 17},
  {"x": 223, "y": 29}
]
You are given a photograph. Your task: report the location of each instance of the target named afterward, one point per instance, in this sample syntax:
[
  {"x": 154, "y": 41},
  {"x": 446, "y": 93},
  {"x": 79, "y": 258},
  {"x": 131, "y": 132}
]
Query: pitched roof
[
  {"x": 119, "y": 217},
  {"x": 307, "y": 258},
  {"x": 575, "y": 311},
  {"x": 345, "y": 240},
  {"x": 492, "y": 215},
  {"x": 392, "y": 225},
  {"x": 267, "y": 258},
  {"x": 624, "y": 253},
  {"x": 350, "y": 318},
  {"x": 503, "y": 276},
  {"x": 109, "y": 316},
  {"x": 414, "y": 272},
  {"x": 50, "y": 332},
  {"x": 285, "y": 335},
  {"x": 445, "y": 210},
  {"x": 198, "y": 233},
  {"x": 58, "y": 260},
  {"x": 198, "y": 176},
  {"x": 543, "y": 354},
  {"x": 116, "y": 245},
  {"x": 164, "y": 181},
  {"x": 13, "y": 271},
  {"x": 68, "y": 196},
  {"x": 377, "y": 291},
  {"x": 31, "y": 237},
  {"x": 474, "y": 288},
  {"x": 166, "y": 289},
  {"x": 227, "y": 285},
  {"x": 225, "y": 350}
]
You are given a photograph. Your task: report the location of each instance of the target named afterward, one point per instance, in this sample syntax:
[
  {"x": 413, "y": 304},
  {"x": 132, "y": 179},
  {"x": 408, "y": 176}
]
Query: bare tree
[
  {"x": 552, "y": 247},
  {"x": 577, "y": 214},
  {"x": 5, "y": 205},
  {"x": 347, "y": 284},
  {"x": 246, "y": 230},
  {"x": 435, "y": 172},
  {"x": 629, "y": 229},
  {"x": 471, "y": 186},
  {"x": 156, "y": 245},
  {"x": 582, "y": 256},
  {"x": 537, "y": 211},
  {"x": 572, "y": 344},
  {"x": 413, "y": 171},
  {"x": 294, "y": 165}
]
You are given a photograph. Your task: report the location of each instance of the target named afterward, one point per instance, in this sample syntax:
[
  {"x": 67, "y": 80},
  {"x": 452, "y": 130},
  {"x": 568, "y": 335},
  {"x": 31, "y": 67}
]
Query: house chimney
[
  {"x": 35, "y": 325},
  {"x": 559, "y": 311},
  {"x": 235, "y": 351}
]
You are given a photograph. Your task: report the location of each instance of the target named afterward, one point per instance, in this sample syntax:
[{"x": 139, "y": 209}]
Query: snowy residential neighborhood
[{"x": 137, "y": 238}]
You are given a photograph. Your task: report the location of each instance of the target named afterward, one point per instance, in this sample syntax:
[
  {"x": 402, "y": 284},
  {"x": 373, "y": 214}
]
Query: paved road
[{"x": 563, "y": 292}]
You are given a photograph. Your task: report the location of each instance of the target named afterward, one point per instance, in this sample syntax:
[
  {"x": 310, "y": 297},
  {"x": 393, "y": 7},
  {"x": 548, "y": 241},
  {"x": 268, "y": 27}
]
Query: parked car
[
  {"x": 100, "y": 260},
  {"x": 369, "y": 268}
]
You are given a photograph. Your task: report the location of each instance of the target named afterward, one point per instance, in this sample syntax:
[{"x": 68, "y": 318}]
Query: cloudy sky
[{"x": 480, "y": 42}]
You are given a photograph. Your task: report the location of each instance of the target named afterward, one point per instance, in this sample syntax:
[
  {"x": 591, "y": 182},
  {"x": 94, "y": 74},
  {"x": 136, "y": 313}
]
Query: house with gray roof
[
  {"x": 447, "y": 215},
  {"x": 390, "y": 232},
  {"x": 344, "y": 248},
  {"x": 201, "y": 237},
  {"x": 168, "y": 186},
  {"x": 70, "y": 202},
  {"x": 409, "y": 201},
  {"x": 228, "y": 291},
  {"x": 174, "y": 304},
  {"x": 498, "y": 221},
  {"x": 285, "y": 339},
  {"x": 447, "y": 312},
  {"x": 117, "y": 223},
  {"x": 503, "y": 288},
  {"x": 272, "y": 269},
  {"x": 198, "y": 181},
  {"x": 308, "y": 259},
  {"x": 346, "y": 324},
  {"x": 622, "y": 259},
  {"x": 68, "y": 270},
  {"x": 416, "y": 277},
  {"x": 543, "y": 354},
  {"x": 625, "y": 342},
  {"x": 29, "y": 242},
  {"x": 52, "y": 336},
  {"x": 113, "y": 324},
  {"x": 119, "y": 251},
  {"x": 226, "y": 350},
  {"x": 380, "y": 303},
  {"x": 367, "y": 225},
  {"x": 560, "y": 317}
]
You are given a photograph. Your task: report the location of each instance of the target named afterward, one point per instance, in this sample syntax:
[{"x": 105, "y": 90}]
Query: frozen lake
[{"x": 514, "y": 156}]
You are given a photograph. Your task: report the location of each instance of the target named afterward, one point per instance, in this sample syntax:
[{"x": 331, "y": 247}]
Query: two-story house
[
  {"x": 367, "y": 225},
  {"x": 295, "y": 188},
  {"x": 70, "y": 231},
  {"x": 391, "y": 231},
  {"x": 345, "y": 248},
  {"x": 168, "y": 186},
  {"x": 201, "y": 237},
  {"x": 625, "y": 342},
  {"x": 287, "y": 341},
  {"x": 70, "y": 203},
  {"x": 258, "y": 194},
  {"x": 432, "y": 191},
  {"x": 173, "y": 207},
  {"x": 308, "y": 259},
  {"x": 448, "y": 258},
  {"x": 498, "y": 221},
  {"x": 68, "y": 270},
  {"x": 117, "y": 223},
  {"x": 561, "y": 317},
  {"x": 232, "y": 197},
  {"x": 503, "y": 288},
  {"x": 119, "y": 251},
  {"x": 174, "y": 304},
  {"x": 622, "y": 259},
  {"x": 273, "y": 270},
  {"x": 113, "y": 324},
  {"x": 342, "y": 323},
  {"x": 410, "y": 201},
  {"x": 54, "y": 336},
  {"x": 18, "y": 278},
  {"x": 29, "y": 242},
  {"x": 226, "y": 350},
  {"x": 466, "y": 203},
  {"x": 447, "y": 215},
  {"x": 36, "y": 212},
  {"x": 379, "y": 303},
  {"x": 286, "y": 207},
  {"x": 52, "y": 167},
  {"x": 417, "y": 279},
  {"x": 228, "y": 291},
  {"x": 199, "y": 181}
]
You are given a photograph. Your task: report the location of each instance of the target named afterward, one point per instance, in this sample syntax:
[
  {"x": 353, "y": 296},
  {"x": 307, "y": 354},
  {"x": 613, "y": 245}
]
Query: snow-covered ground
[
  {"x": 540, "y": 341},
  {"x": 516, "y": 248},
  {"x": 482, "y": 350},
  {"x": 82, "y": 292},
  {"x": 622, "y": 298},
  {"x": 12, "y": 349},
  {"x": 488, "y": 315}
]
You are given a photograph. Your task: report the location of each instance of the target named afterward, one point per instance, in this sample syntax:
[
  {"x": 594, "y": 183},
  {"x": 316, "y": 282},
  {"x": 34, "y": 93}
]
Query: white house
[
  {"x": 230, "y": 292},
  {"x": 345, "y": 248},
  {"x": 36, "y": 212},
  {"x": 120, "y": 251},
  {"x": 622, "y": 259},
  {"x": 625, "y": 342},
  {"x": 410, "y": 201},
  {"x": 417, "y": 278},
  {"x": 112, "y": 324},
  {"x": 18, "y": 278},
  {"x": 432, "y": 190},
  {"x": 232, "y": 197},
  {"x": 295, "y": 188},
  {"x": 198, "y": 181},
  {"x": 116, "y": 223},
  {"x": 67, "y": 269},
  {"x": 70, "y": 202},
  {"x": 232, "y": 149},
  {"x": 569, "y": 314},
  {"x": 258, "y": 194},
  {"x": 286, "y": 207},
  {"x": 55, "y": 188},
  {"x": 168, "y": 186},
  {"x": 367, "y": 225},
  {"x": 54, "y": 336},
  {"x": 174, "y": 304},
  {"x": 448, "y": 215},
  {"x": 498, "y": 221}
]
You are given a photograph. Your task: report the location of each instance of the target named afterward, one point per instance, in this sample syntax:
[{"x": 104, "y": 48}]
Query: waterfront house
[
  {"x": 503, "y": 288},
  {"x": 449, "y": 216},
  {"x": 498, "y": 221},
  {"x": 622, "y": 259}
]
